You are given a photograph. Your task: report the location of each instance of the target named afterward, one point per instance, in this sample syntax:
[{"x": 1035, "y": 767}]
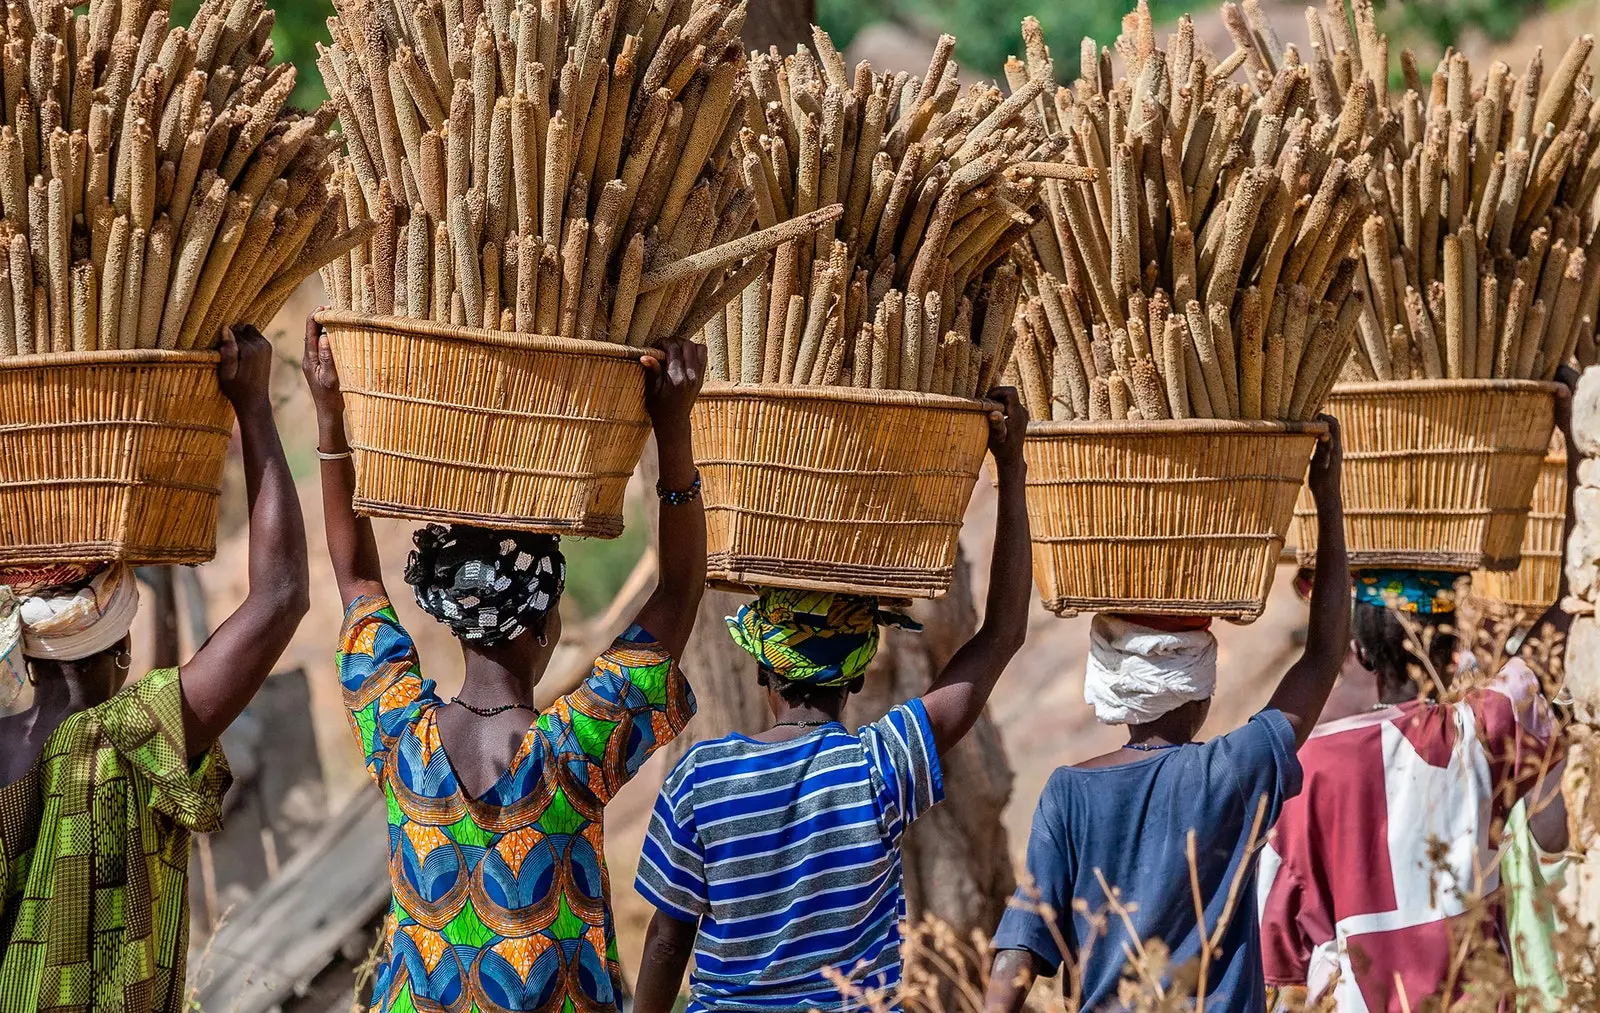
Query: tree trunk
[
  {"x": 781, "y": 23},
  {"x": 164, "y": 649},
  {"x": 723, "y": 677}
]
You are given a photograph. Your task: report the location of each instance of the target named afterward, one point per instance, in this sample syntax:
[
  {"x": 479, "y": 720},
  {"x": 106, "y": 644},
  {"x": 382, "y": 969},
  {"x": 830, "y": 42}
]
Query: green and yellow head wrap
[
  {"x": 813, "y": 636},
  {"x": 1422, "y": 592}
]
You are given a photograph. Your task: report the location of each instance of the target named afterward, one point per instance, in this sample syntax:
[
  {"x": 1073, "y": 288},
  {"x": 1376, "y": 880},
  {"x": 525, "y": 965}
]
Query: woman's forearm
[
  {"x": 682, "y": 541},
  {"x": 279, "y": 575},
  {"x": 667, "y": 947},
  {"x": 351, "y": 545},
  {"x": 1329, "y": 629},
  {"x": 1005, "y": 617}
]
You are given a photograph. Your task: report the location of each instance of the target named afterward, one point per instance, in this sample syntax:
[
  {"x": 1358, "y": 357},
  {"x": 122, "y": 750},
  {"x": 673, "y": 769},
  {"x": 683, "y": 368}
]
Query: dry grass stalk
[
  {"x": 597, "y": 135},
  {"x": 910, "y": 287}
]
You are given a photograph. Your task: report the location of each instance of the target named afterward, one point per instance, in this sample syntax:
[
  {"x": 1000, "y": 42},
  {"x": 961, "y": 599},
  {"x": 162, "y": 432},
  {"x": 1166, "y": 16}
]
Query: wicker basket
[
  {"x": 1532, "y": 587},
  {"x": 1171, "y": 517},
  {"x": 836, "y": 488},
  {"x": 111, "y": 456},
  {"x": 458, "y": 425},
  {"x": 1438, "y": 474}
]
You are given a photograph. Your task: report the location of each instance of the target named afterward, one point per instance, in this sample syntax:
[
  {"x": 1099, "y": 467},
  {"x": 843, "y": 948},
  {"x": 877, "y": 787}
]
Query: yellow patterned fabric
[
  {"x": 94, "y": 858},
  {"x": 502, "y": 902},
  {"x": 812, "y": 636}
]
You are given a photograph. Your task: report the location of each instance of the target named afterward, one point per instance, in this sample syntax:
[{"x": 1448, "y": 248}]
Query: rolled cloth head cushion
[
  {"x": 489, "y": 587},
  {"x": 41, "y": 618},
  {"x": 1422, "y": 592},
  {"x": 1138, "y": 672},
  {"x": 813, "y": 636}
]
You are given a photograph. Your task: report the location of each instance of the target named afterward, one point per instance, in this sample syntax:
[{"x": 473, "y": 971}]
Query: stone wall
[{"x": 1583, "y": 554}]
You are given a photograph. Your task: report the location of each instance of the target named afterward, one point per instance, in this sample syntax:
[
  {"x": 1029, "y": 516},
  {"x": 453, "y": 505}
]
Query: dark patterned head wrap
[{"x": 489, "y": 587}]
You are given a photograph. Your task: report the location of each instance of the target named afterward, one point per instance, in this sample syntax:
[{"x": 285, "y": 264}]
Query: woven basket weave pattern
[
  {"x": 1532, "y": 587},
  {"x": 454, "y": 425},
  {"x": 836, "y": 489},
  {"x": 111, "y": 456},
  {"x": 1437, "y": 474},
  {"x": 1177, "y": 518}
]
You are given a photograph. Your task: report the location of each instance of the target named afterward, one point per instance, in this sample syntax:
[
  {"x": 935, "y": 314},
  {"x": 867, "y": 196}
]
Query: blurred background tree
[
  {"x": 300, "y": 26},
  {"x": 988, "y": 29}
]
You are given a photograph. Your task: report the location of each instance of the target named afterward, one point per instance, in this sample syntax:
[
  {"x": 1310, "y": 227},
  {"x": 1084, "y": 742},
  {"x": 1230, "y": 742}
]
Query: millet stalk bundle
[
  {"x": 1479, "y": 256},
  {"x": 545, "y": 166},
  {"x": 1210, "y": 269},
  {"x": 911, "y": 288},
  {"x": 154, "y": 188}
]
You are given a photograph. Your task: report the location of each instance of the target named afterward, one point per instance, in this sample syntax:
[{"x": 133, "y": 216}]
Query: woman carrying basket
[
  {"x": 101, "y": 785},
  {"x": 501, "y": 897},
  {"x": 775, "y": 859},
  {"x": 1127, "y": 846}
]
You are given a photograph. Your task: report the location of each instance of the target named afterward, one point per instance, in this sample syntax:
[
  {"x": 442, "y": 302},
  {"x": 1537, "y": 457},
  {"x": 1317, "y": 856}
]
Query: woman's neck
[
  {"x": 491, "y": 680},
  {"x": 804, "y": 714}
]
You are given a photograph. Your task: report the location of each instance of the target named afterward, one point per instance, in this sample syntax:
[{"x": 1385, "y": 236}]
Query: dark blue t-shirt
[{"x": 1131, "y": 822}]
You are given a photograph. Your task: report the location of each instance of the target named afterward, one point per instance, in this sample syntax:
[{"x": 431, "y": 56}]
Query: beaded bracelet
[{"x": 680, "y": 497}]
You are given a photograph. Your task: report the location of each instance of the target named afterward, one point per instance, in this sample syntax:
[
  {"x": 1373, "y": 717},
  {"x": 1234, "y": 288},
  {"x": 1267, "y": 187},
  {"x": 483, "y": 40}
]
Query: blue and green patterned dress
[{"x": 503, "y": 903}]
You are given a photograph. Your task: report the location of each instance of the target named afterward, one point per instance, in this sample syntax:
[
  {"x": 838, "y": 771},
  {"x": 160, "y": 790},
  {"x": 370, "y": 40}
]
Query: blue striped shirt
[{"x": 787, "y": 854}]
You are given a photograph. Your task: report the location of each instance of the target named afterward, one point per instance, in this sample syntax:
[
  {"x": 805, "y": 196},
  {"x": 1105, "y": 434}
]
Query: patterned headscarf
[
  {"x": 61, "y": 613},
  {"x": 1423, "y": 592},
  {"x": 813, "y": 636},
  {"x": 489, "y": 587}
]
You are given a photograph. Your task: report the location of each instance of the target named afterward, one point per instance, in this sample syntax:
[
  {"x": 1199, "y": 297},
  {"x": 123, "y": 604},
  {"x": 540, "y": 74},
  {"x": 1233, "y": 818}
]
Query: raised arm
[
  {"x": 958, "y": 696},
  {"x": 671, "y": 385},
  {"x": 225, "y": 673},
  {"x": 350, "y": 543},
  {"x": 1304, "y": 690}
]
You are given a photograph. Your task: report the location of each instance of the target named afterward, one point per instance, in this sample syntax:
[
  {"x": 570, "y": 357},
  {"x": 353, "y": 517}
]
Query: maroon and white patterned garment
[{"x": 1379, "y": 858}]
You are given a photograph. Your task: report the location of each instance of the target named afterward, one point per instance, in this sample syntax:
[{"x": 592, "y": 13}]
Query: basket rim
[
  {"x": 112, "y": 357},
  {"x": 1177, "y": 427},
  {"x": 513, "y": 341},
  {"x": 849, "y": 395},
  {"x": 1467, "y": 386}
]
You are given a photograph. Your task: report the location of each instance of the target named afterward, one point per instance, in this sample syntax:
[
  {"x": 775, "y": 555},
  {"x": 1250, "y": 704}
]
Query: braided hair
[{"x": 488, "y": 586}]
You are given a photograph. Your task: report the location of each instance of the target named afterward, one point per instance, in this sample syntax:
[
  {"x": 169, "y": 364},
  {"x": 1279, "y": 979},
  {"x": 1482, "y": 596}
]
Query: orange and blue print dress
[{"x": 502, "y": 903}]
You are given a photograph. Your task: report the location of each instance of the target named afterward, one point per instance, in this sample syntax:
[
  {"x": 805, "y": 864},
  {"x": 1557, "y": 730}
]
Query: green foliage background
[
  {"x": 300, "y": 26},
  {"x": 988, "y": 31}
]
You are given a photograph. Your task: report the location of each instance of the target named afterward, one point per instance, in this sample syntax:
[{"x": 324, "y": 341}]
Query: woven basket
[
  {"x": 1532, "y": 587},
  {"x": 111, "y": 456},
  {"x": 1438, "y": 474},
  {"x": 1169, "y": 518},
  {"x": 836, "y": 488},
  {"x": 468, "y": 426}
]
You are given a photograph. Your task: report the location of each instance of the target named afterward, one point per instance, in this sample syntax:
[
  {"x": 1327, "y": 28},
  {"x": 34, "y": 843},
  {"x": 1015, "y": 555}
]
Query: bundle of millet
[
  {"x": 544, "y": 166},
  {"x": 1479, "y": 255},
  {"x": 911, "y": 288},
  {"x": 141, "y": 167},
  {"x": 1210, "y": 269}
]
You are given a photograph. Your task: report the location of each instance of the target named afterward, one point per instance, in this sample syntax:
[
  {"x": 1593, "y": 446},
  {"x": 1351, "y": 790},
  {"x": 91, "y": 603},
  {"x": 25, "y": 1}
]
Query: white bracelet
[{"x": 341, "y": 456}]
